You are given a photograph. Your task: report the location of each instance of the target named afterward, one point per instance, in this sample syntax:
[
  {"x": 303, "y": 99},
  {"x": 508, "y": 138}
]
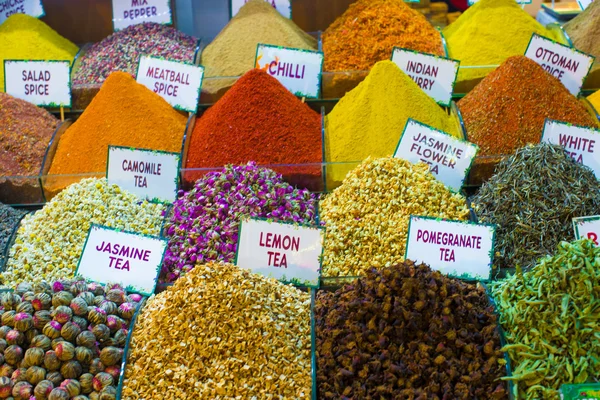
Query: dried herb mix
[
  {"x": 584, "y": 31},
  {"x": 532, "y": 199},
  {"x": 408, "y": 332}
]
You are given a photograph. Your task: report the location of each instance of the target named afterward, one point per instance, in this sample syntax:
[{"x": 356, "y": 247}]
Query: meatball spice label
[
  {"x": 43, "y": 83},
  {"x": 587, "y": 228},
  {"x": 579, "y": 142},
  {"x": 298, "y": 70},
  {"x": 133, "y": 12},
  {"x": 459, "y": 249},
  {"x": 110, "y": 255},
  {"x": 283, "y": 6},
  {"x": 568, "y": 64},
  {"x": 179, "y": 83},
  {"x": 150, "y": 174},
  {"x": 435, "y": 75},
  {"x": 288, "y": 252},
  {"x": 449, "y": 158},
  {"x": 29, "y": 7}
]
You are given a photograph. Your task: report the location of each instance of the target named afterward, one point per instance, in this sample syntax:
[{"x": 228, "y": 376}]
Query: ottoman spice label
[
  {"x": 43, "y": 83},
  {"x": 133, "y": 12},
  {"x": 29, "y": 7}
]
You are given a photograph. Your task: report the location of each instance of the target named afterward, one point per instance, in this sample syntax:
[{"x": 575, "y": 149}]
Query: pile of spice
[
  {"x": 49, "y": 243},
  {"x": 489, "y": 32},
  {"x": 367, "y": 217},
  {"x": 9, "y": 219},
  {"x": 248, "y": 125},
  {"x": 407, "y": 332},
  {"x": 121, "y": 51},
  {"x": 23, "y": 37},
  {"x": 64, "y": 340},
  {"x": 369, "y": 120},
  {"x": 222, "y": 332},
  {"x": 532, "y": 198},
  {"x": 369, "y": 30},
  {"x": 204, "y": 222},
  {"x": 550, "y": 318},
  {"x": 595, "y": 100},
  {"x": 584, "y": 31}
]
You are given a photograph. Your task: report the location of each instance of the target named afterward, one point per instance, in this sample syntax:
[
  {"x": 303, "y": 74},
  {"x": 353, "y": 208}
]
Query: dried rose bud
[{"x": 52, "y": 329}]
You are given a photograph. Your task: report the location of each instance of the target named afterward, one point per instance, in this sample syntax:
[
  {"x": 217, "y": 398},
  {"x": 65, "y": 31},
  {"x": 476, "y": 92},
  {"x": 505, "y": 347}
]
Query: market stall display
[{"x": 584, "y": 31}]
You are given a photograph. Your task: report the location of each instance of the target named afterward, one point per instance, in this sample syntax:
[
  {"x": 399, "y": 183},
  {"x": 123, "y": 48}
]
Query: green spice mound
[
  {"x": 407, "y": 332},
  {"x": 550, "y": 317},
  {"x": 532, "y": 198}
]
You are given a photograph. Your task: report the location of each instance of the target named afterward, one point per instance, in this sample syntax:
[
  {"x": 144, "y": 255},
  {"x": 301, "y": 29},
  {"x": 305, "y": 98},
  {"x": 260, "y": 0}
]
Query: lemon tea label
[
  {"x": 456, "y": 248},
  {"x": 133, "y": 12},
  {"x": 43, "y": 83},
  {"x": 113, "y": 256},
  {"x": 568, "y": 64},
  {"x": 283, "y": 6},
  {"x": 583, "y": 391},
  {"x": 587, "y": 228},
  {"x": 150, "y": 174},
  {"x": 29, "y": 7},
  {"x": 296, "y": 69},
  {"x": 449, "y": 158},
  {"x": 288, "y": 252},
  {"x": 435, "y": 75}
]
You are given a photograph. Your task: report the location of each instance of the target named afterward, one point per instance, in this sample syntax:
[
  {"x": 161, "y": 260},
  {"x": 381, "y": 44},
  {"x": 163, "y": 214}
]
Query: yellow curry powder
[
  {"x": 595, "y": 100},
  {"x": 23, "y": 37}
]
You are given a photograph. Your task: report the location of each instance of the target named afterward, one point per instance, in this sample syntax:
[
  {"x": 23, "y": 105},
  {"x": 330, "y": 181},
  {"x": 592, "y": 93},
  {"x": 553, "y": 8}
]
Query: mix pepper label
[
  {"x": 283, "y": 6},
  {"x": 43, "y": 83},
  {"x": 288, "y": 252},
  {"x": 587, "y": 228},
  {"x": 133, "y": 12},
  {"x": 29, "y": 7}
]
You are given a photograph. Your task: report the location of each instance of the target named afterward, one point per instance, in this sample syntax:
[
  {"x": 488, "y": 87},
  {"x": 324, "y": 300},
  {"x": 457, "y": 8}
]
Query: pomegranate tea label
[
  {"x": 587, "y": 228},
  {"x": 435, "y": 75},
  {"x": 456, "y": 248},
  {"x": 43, "y": 83},
  {"x": 283, "y": 6},
  {"x": 133, "y": 12},
  {"x": 296, "y": 69},
  {"x": 29, "y": 7},
  {"x": 569, "y": 65},
  {"x": 288, "y": 252},
  {"x": 113, "y": 256}
]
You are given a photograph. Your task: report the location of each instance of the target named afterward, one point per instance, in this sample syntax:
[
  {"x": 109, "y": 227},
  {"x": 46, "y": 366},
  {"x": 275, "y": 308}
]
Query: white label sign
[
  {"x": 287, "y": 252},
  {"x": 150, "y": 174},
  {"x": 296, "y": 69},
  {"x": 133, "y": 12},
  {"x": 456, "y": 248},
  {"x": 129, "y": 258},
  {"x": 283, "y": 6},
  {"x": 568, "y": 64},
  {"x": 176, "y": 82},
  {"x": 587, "y": 228},
  {"x": 29, "y": 7},
  {"x": 583, "y": 4},
  {"x": 580, "y": 142},
  {"x": 449, "y": 158},
  {"x": 43, "y": 83},
  {"x": 435, "y": 75}
]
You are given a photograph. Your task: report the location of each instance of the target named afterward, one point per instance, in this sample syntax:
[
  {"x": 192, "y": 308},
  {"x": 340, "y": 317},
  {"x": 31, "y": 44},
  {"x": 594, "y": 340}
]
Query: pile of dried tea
[
  {"x": 367, "y": 217},
  {"x": 550, "y": 317},
  {"x": 532, "y": 198},
  {"x": 222, "y": 332},
  {"x": 9, "y": 218},
  {"x": 407, "y": 332}
]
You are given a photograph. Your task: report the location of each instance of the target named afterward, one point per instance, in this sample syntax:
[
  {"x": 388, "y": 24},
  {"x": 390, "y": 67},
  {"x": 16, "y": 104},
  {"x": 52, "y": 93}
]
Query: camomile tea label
[
  {"x": 435, "y": 75},
  {"x": 296, "y": 69},
  {"x": 33, "y": 8},
  {"x": 43, "y": 83},
  {"x": 456, "y": 248},
  {"x": 582, "y": 391},
  {"x": 568, "y": 64},
  {"x": 133, "y": 12},
  {"x": 129, "y": 258},
  {"x": 288, "y": 252},
  {"x": 449, "y": 158},
  {"x": 587, "y": 228},
  {"x": 283, "y": 6}
]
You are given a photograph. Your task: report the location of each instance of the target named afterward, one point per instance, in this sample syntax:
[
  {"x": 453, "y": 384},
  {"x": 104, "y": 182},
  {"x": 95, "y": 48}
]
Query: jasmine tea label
[
  {"x": 150, "y": 174},
  {"x": 129, "y": 258},
  {"x": 298, "y": 70},
  {"x": 456, "y": 248},
  {"x": 283, "y": 6},
  {"x": 29, "y": 7},
  {"x": 287, "y": 252},
  {"x": 43, "y": 83},
  {"x": 435, "y": 75},
  {"x": 587, "y": 228},
  {"x": 133, "y": 12}
]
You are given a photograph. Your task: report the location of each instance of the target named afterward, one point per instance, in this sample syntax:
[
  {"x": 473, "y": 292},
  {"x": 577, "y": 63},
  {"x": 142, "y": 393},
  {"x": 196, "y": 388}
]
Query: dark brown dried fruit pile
[{"x": 408, "y": 332}]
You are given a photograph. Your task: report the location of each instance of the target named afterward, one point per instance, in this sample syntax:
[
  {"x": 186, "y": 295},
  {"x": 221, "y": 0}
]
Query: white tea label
[
  {"x": 435, "y": 75},
  {"x": 579, "y": 142},
  {"x": 150, "y": 174},
  {"x": 449, "y": 158},
  {"x": 456, "y": 248},
  {"x": 296, "y": 69},
  {"x": 177, "y": 82},
  {"x": 568, "y": 64},
  {"x": 587, "y": 228},
  {"x": 43, "y": 83},
  {"x": 133, "y": 12},
  {"x": 287, "y": 252},
  {"x": 113, "y": 256},
  {"x": 283, "y": 6},
  {"x": 33, "y": 8}
]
